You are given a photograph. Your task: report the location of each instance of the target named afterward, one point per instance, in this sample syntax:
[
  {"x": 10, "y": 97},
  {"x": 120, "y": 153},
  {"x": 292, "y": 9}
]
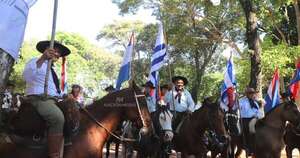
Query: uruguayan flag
[
  {"x": 159, "y": 56},
  {"x": 124, "y": 73}
]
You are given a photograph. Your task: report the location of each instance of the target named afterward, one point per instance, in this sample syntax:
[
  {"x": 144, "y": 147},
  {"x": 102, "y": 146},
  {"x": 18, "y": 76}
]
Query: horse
[
  {"x": 189, "y": 140},
  {"x": 269, "y": 131},
  {"x": 158, "y": 143},
  {"x": 97, "y": 122},
  {"x": 291, "y": 139}
]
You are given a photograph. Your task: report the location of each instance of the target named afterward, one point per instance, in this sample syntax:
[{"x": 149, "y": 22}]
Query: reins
[{"x": 121, "y": 138}]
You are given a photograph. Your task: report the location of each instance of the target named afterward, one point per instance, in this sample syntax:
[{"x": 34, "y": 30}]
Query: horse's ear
[{"x": 134, "y": 86}]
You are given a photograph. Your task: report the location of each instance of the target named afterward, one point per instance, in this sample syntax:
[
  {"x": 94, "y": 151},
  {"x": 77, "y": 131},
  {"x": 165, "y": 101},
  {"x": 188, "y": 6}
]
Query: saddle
[{"x": 28, "y": 127}]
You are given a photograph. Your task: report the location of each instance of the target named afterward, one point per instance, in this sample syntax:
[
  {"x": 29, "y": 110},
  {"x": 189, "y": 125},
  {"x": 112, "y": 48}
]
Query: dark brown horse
[
  {"x": 189, "y": 140},
  {"x": 127, "y": 104},
  {"x": 291, "y": 139},
  {"x": 270, "y": 131}
]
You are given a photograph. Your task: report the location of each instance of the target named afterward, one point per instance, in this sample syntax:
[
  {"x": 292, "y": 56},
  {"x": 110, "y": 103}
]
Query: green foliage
[{"x": 87, "y": 65}]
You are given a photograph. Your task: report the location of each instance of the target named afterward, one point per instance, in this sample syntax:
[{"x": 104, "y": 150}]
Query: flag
[
  {"x": 158, "y": 59},
  {"x": 294, "y": 85},
  {"x": 228, "y": 87},
  {"x": 272, "y": 97},
  {"x": 13, "y": 21},
  {"x": 125, "y": 70},
  {"x": 64, "y": 86}
]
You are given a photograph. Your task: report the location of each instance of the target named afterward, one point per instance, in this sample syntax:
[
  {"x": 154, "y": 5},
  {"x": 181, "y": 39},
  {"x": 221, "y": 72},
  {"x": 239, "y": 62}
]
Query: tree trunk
[
  {"x": 6, "y": 64},
  {"x": 252, "y": 38},
  {"x": 197, "y": 80},
  {"x": 296, "y": 6}
]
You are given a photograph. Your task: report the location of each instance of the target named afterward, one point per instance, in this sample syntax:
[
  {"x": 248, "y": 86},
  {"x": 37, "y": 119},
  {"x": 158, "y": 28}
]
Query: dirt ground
[{"x": 112, "y": 153}]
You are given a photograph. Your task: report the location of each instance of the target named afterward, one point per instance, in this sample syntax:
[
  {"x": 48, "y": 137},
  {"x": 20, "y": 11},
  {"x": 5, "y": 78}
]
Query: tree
[
  {"x": 6, "y": 64},
  {"x": 195, "y": 32},
  {"x": 253, "y": 41}
]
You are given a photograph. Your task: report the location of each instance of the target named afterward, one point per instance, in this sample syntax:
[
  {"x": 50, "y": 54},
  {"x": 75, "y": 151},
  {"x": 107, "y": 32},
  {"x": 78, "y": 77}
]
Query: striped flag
[
  {"x": 63, "y": 85},
  {"x": 294, "y": 86},
  {"x": 228, "y": 87},
  {"x": 272, "y": 97},
  {"x": 159, "y": 57},
  {"x": 125, "y": 70}
]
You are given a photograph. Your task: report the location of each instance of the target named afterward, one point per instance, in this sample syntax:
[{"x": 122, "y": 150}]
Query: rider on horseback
[
  {"x": 180, "y": 100},
  {"x": 149, "y": 92},
  {"x": 250, "y": 109},
  {"x": 34, "y": 75}
]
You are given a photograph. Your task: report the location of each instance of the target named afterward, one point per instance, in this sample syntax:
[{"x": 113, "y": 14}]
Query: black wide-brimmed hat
[
  {"x": 148, "y": 84},
  {"x": 43, "y": 45},
  {"x": 176, "y": 78},
  {"x": 109, "y": 88}
]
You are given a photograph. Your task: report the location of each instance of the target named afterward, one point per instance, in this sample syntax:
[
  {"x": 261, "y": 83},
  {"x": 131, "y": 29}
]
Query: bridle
[{"x": 120, "y": 138}]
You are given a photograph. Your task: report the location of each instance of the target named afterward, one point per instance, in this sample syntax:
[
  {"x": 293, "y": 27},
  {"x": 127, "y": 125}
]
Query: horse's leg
[
  {"x": 107, "y": 148},
  {"x": 289, "y": 151},
  {"x": 117, "y": 149}
]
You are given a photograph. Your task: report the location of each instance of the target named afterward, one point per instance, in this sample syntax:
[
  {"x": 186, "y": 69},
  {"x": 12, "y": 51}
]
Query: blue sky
[{"x": 85, "y": 17}]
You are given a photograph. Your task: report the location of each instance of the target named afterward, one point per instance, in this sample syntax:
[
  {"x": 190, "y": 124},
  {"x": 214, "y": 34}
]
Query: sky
[{"x": 85, "y": 17}]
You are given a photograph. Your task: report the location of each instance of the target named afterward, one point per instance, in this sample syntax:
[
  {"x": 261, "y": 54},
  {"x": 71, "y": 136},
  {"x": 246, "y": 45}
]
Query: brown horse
[
  {"x": 189, "y": 140},
  {"x": 291, "y": 139},
  {"x": 270, "y": 131},
  {"x": 127, "y": 104}
]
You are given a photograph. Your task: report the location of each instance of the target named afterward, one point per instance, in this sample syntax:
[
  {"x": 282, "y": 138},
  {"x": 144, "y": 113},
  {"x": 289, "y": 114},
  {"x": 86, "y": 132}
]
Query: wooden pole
[
  {"x": 51, "y": 46},
  {"x": 131, "y": 63}
]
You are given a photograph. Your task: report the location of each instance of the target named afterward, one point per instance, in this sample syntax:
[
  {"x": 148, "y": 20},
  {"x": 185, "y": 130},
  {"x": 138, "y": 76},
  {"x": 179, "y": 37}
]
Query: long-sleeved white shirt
[
  {"x": 247, "y": 111},
  {"x": 35, "y": 79},
  {"x": 187, "y": 102},
  {"x": 151, "y": 104}
]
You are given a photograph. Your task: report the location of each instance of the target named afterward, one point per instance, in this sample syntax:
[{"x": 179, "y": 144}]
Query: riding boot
[{"x": 55, "y": 145}]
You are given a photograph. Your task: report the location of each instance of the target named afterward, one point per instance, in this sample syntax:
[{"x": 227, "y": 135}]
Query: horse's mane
[{"x": 279, "y": 105}]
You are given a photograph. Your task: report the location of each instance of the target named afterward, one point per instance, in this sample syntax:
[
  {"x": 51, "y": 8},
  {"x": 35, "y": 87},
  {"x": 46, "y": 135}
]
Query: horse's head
[
  {"x": 163, "y": 123},
  {"x": 214, "y": 117},
  {"x": 291, "y": 113},
  {"x": 139, "y": 113}
]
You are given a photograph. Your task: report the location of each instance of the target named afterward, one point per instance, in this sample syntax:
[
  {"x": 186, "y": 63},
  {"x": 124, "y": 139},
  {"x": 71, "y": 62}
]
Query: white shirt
[
  {"x": 247, "y": 111},
  {"x": 187, "y": 102},
  {"x": 151, "y": 104},
  {"x": 35, "y": 79}
]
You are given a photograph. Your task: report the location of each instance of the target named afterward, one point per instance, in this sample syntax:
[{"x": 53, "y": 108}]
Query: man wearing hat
[
  {"x": 110, "y": 89},
  {"x": 250, "y": 109},
  {"x": 179, "y": 99},
  {"x": 150, "y": 98},
  {"x": 34, "y": 76}
]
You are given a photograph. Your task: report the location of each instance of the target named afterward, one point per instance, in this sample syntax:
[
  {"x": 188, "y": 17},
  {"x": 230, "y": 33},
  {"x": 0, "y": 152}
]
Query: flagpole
[
  {"x": 132, "y": 59},
  {"x": 170, "y": 74},
  {"x": 51, "y": 46}
]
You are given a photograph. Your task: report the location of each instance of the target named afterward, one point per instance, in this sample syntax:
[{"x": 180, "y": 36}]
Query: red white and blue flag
[
  {"x": 273, "y": 98},
  {"x": 294, "y": 86},
  {"x": 64, "y": 85},
  {"x": 228, "y": 87}
]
